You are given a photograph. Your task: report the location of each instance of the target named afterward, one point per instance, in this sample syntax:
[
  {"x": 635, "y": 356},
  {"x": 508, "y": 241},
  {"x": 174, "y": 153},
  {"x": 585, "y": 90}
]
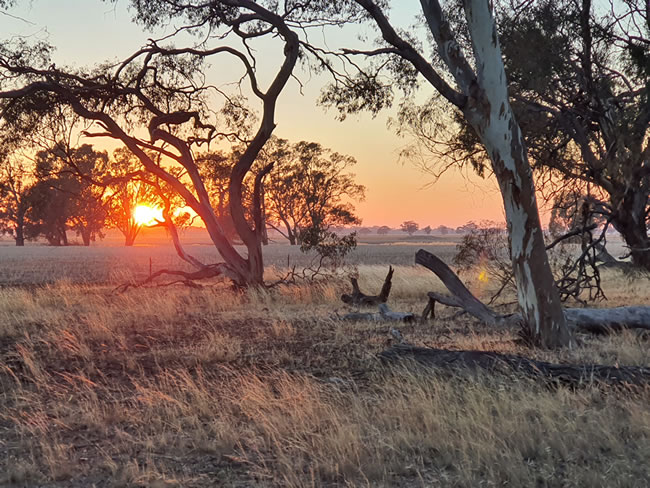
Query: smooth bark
[
  {"x": 482, "y": 96},
  {"x": 490, "y": 114}
]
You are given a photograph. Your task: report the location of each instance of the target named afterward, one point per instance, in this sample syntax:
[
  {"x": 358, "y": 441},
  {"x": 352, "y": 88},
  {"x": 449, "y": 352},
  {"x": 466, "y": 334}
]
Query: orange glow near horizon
[
  {"x": 147, "y": 216},
  {"x": 395, "y": 191}
]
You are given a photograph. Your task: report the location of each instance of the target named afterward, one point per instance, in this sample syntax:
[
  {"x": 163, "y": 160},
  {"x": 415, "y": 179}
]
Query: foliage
[
  {"x": 485, "y": 249},
  {"x": 16, "y": 198},
  {"x": 409, "y": 226},
  {"x": 215, "y": 168},
  {"x": 159, "y": 99},
  {"x": 127, "y": 190},
  {"x": 470, "y": 226},
  {"x": 67, "y": 193},
  {"x": 309, "y": 188},
  {"x": 572, "y": 209},
  {"x": 49, "y": 214},
  {"x": 579, "y": 87},
  {"x": 383, "y": 230},
  {"x": 329, "y": 246}
]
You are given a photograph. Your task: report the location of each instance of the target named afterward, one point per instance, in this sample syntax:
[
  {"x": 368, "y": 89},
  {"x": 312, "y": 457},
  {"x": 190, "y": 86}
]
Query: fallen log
[
  {"x": 591, "y": 320},
  {"x": 188, "y": 278},
  {"x": 383, "y": 315},
  {"x": 357, "y": 297},
  {"x": 569, "y": 374},
  {"x": 607, "y": 320}
]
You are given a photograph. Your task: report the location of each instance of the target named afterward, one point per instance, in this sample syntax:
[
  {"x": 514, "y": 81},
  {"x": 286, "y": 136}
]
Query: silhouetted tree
[
  {"x": 163, "y": 89},
  {"x": 79, "y": 204},
  {"x": 383, "y": 230},
  {"x": 409, "y": 226},
  {"x": 126, "y": 191},
  {"x": 16, "y": 199},
  {"x": 310, "y": 188},
  {"x": 215, "y": 168},
  {"x": 49, "y": 214},
  {"x": 427, "y": 230},
  {"x": 470, "y": 226}
]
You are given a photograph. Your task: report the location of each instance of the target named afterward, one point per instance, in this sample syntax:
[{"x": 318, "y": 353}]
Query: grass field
[
  {"x": 176, "y": 386},
  {"x": 111, "y": 262}
]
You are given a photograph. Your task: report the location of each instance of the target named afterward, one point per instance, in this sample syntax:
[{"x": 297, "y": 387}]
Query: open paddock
[
  {"x": 115, "y": 264},
  {"x": 201, "y": 387}
]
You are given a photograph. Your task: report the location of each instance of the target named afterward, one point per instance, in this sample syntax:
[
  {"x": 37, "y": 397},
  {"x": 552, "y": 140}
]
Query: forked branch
[
  {"x": 357, "y": 297},
  {"x": 592, "y": 320}
]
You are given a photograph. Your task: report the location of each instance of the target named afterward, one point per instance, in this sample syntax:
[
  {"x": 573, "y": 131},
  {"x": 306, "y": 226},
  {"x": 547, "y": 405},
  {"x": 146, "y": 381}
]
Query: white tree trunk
[{"x": 489, "y": 112}]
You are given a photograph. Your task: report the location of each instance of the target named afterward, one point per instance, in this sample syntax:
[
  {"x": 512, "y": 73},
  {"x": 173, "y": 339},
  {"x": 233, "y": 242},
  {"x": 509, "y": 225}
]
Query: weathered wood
[
  {"x": 429, "y": 310},
  {"x": 357, "y": 297},
  {"x": 573, "y": 374},
  {"x": 605, "y": 257},
  {"x": 384, "y": 314},
  {"x": 610, "y": 262},
  {"x": 592, "y": 320},
  {"x": 461, "y": 296},
  {"x": 606, "y": 320}
]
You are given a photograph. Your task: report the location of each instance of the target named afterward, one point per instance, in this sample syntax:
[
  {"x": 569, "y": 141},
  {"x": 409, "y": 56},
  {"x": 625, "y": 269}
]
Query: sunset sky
[{"x": 87, "y": 32}]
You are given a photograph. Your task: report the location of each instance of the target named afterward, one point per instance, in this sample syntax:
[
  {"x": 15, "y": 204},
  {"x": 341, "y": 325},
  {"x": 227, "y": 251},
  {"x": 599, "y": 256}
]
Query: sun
[{"x": 147, "y": 216}]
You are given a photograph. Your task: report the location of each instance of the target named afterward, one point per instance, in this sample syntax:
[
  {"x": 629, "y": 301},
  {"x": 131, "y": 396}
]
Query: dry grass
[{"x": 181, "y": 387}]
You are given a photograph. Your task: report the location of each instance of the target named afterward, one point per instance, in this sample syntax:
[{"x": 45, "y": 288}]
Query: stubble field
[{"x": 179, "y": 386}]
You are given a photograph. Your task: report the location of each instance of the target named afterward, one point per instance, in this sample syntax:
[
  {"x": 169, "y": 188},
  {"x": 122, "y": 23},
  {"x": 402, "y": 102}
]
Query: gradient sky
[{"x": 90, "y": 31}]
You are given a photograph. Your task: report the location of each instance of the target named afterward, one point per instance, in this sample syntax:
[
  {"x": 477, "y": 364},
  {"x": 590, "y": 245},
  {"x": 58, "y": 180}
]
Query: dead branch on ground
[
  {"x": 357, "y": 297},
  {"x": 570, "y": 374},
  {"x": 592, "y": 320},
  {"x": 384, "y": 314},
  {"x": 187, "y": 278}
]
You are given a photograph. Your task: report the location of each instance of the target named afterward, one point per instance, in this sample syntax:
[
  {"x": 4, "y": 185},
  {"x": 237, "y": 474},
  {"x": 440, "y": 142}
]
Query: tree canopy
[
  {"x": 578, "y": 76},
  {"x": 310, "y": 188},
  {"x": 161, "y": 87}
]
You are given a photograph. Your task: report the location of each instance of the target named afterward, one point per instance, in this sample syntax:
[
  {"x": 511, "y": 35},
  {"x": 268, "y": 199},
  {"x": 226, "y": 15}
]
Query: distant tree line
[
  {"x": 411, "y": 227},
  {"x": 85, "y": 191},
  {"x": 48, "y": 198}
]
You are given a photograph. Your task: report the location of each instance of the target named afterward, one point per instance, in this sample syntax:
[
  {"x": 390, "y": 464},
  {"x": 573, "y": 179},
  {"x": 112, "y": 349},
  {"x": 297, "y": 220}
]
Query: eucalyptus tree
[
  {"x": 125, "y": 191},
  {"x": 585, "y": 108},
  {"x": 578, "y": 75},
  {"x": 310, "y": 189},
  {"x": 471, "y": 78},
  {"x": 16, "y": 198},
  {"x": 215, "y": 167},
  {"x": 410, "y": 227},
  {"x": 69, "y": 175},
  {"x": 163, "y": 88}
]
